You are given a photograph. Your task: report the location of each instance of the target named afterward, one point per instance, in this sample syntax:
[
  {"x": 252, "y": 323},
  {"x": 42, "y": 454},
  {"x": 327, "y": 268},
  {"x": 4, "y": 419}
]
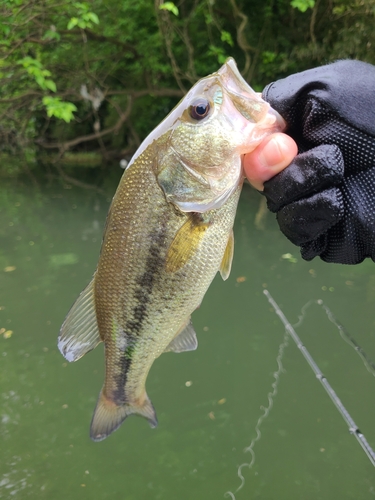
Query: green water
[{"x": 208, "y": 401}]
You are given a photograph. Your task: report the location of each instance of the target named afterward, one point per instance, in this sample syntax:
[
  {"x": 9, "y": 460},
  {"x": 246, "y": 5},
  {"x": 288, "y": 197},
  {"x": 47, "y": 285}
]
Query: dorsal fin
[
  {"x": 186, "y": 340},
  {"x": 226, "y": 263},
  {"x": 79, "y": 333}
]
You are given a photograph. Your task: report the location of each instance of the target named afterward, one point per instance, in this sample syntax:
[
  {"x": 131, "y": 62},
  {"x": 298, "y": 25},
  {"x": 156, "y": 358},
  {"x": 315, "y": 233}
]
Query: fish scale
[
  {"x": 168, "y": 232},
  {"x": 167, "y": 291}
]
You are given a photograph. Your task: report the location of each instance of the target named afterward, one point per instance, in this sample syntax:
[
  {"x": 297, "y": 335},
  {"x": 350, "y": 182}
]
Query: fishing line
[
  {"x": 369, "y": 364},
  {"x": 344, "y": 334},
  {"x": 266, "y": 410},
  {"x": 353, "y": 429}
]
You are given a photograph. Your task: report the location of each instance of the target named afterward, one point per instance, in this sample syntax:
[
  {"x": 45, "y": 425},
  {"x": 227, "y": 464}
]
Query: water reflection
[{"x": 209, "y": 401}]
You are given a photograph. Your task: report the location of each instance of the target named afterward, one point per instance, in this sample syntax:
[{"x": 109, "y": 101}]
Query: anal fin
[
  {"x": 186, "y": 340},
  {"x": 79, "y": 333},
  {"x": 226, "y": 263}
]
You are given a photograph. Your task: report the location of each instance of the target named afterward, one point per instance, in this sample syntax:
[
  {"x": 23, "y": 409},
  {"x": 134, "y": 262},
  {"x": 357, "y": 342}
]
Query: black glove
[{"x": 325, "y": 200}]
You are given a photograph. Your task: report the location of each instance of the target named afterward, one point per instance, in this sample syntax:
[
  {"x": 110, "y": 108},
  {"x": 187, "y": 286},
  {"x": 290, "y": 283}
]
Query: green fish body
[{"x": 168, "y": 232}]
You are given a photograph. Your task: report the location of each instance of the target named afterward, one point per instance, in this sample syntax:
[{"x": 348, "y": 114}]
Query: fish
[{"x": 169, "y": 230}]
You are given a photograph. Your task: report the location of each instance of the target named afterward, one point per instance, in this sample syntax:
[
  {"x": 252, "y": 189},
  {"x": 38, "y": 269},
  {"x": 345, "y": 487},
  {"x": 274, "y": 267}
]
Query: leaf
[
  {"x": 268, "y": 57},
  {"x": 170, "y": 6},
  {"x": 29, "y": 61},
  {"x": 59, "y": 109},
  {"x": 226, "y": 37},
  {"x": 93, "y": 17},
  {"x": 302, "y": 5},
  {"x": 217, "y": 52},
  {"x": 81, "y": 7},
  {"x": 51, "y": 85},
  {"x": 40, "y": 80},
  {"x": 72, "y": 23},
  {"x": 83, "y": 24}
]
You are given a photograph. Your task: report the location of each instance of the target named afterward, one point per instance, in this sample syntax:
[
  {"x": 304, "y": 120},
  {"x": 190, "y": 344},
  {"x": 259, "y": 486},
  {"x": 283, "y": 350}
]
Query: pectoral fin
[
  {"x": 226, "y": 263},
  {"x": 185, "y": 243},
  {"x": 79, "y": 333},
  {"x": 186, "y": 340}
]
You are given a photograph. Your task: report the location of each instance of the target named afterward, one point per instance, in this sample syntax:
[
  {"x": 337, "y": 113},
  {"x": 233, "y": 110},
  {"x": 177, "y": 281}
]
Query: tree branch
[
  {"x": 64, "y": 146},
  {"x": 91, "y": 35},
  {"x": 152, "y": 92},
  {"x": 312, "y": 22},
  {"x": 166, "y": 29},
  {"x": 76, "y": 182},
  {"x": 241, "y": 37},
  {"x": 12, "y": 99}
]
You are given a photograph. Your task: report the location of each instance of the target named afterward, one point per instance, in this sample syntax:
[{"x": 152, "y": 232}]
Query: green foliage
[
  {"x": 218, "y": 52},
  {"x": 35, "y": 69},
  {"x": 58, "y": 108},
  {"x": 226, "y": 37},
  {"x": 302, "y": 5},
  {"x": 54, "y": 105},
  {"x": 268, "y": 57},
  {"x": 73, "y": 84},
  {"x": 170, "y": 6},
  {"x": 84, "y": 18}
]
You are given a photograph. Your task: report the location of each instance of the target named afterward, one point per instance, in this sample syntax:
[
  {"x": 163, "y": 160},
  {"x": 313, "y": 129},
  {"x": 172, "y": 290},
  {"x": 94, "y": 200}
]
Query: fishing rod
[{"x": 353, "y": 429}]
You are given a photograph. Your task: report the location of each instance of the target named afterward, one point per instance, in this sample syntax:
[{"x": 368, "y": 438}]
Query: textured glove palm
[{"x": 325, "y": 200}]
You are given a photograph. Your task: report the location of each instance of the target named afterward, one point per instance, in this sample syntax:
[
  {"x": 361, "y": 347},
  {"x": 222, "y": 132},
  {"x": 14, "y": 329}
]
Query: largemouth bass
[{"x": 168, "y": 232}]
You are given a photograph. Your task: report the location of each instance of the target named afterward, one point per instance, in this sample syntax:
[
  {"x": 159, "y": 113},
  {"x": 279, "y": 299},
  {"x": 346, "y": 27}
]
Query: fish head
[
  {"x": 223, "y": 116},
  {"x": 200, "y": 145}
]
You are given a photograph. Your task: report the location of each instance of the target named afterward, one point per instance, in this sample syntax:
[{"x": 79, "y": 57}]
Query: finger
[
  {"x": 306, "y": 220},
  {"x": 269, "y": 158},
  {"x": 316, "y": 170},
  {"x": 314, "y": 248}
]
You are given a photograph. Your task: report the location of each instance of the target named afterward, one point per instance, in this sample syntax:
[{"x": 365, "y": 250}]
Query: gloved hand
[{"x": 325, "y": 200}]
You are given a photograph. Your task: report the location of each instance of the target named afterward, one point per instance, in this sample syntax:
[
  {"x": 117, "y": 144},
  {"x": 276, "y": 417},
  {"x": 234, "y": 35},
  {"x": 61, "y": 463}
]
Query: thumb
[{"x": 271, "y": 157}]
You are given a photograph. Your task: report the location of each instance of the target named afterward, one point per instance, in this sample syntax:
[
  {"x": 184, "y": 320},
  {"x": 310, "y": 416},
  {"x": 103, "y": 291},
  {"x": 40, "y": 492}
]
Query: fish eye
[{"x": 199, "y": 109}]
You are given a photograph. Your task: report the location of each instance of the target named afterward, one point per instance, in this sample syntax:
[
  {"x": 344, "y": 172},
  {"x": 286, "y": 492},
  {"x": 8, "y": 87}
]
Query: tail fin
[{"x": 108, "y": 416}]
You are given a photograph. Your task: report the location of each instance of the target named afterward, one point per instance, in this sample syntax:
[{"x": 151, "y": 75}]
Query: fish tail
[{"x": 108, "y": 416}]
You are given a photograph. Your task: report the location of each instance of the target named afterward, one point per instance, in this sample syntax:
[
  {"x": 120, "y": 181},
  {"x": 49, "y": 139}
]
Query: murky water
[{"x": 208, "y": 401}]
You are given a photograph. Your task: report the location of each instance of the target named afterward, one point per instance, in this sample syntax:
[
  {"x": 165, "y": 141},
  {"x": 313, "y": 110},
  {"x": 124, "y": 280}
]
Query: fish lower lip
[{"x": 280, "y": 122}]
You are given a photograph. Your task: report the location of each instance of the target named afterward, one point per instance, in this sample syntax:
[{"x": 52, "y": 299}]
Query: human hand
[
  {"x": 271, "y": 156},
  {"x": 325, "y": 200}
]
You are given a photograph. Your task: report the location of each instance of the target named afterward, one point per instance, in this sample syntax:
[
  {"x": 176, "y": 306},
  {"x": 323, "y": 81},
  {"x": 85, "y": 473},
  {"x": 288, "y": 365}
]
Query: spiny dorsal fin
[
  {"x": 185, "y": 340},
  {"x": 185, "y": 243},
  {"x": 226, "y": 263},
  {"x": 79, "y": 333}
]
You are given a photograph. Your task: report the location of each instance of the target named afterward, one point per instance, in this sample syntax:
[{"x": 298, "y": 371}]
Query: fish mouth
[
  {"x": 233, "y": 80},
  {"x": 248, "y": 102}
]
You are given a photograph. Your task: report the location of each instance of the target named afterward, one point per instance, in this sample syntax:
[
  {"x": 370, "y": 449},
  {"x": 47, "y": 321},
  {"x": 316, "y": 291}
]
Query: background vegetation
[{"x": 84, "y": 83}]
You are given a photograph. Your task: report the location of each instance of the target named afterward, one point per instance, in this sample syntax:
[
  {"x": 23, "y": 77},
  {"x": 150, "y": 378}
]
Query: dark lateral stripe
[
  {"x": 123, "y": 367},
  {"x": 142, "y": 295}
]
